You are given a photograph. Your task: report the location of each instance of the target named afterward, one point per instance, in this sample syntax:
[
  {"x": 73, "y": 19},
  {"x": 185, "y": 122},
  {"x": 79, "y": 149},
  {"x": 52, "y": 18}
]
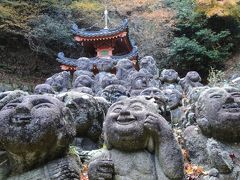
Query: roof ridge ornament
[{"x": 106, "y": 18}]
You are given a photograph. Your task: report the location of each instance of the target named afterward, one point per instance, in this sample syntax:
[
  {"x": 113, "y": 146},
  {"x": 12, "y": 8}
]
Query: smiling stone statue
[
  {"x": 216, "y": 138},
  {"x": 140, "y": 144}
]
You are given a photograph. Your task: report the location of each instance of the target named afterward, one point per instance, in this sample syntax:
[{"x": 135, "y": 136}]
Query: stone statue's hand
[
  {"x": 152, "y": 123},
  {"x": 101, "y": 169},
  {"x": 155, "y": 123}
]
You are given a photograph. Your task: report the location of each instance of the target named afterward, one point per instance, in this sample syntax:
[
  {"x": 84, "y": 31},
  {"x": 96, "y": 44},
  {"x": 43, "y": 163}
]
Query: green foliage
[
  {"x": 201, "y": 42},
  {"x": 46, "y": 24}
]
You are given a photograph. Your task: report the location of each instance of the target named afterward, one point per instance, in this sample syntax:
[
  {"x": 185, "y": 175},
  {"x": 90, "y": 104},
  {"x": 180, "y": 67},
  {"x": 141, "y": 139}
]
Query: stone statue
[
  {"x": 148, "y": 64},
  {"x": 140, "y": 144},
  {"x": 104, "y": 65},
  {"x": 109, "y": 79},
  {"x": 60, "y": 81},
  {"x": 217, "y": 136},
  {"x": 174, "y": 103},
  {"x": 112, "y": 93},
  {"x": 124, "y": 69},
  {"x": 44, "y": 89},
  {"x": 82, "y": 72},
  {"x": 169, "y": 79},
  {"x": 157, "y": 96},
  {"x": 7, "y": 96},
  {"x": 36, "y": 131},
  {"x": 139, "y": 82},
  {"x": 83, "y": 81},
  {"x": 84, "y": 63},
  {"x": 192, "y": 79},
  {"x": 88, "y": 117}
]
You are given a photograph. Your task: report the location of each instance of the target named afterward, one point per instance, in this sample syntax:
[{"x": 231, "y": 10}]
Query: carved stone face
[
  {"x": 124, "y": 124},
  {"x": 37, "y": 124},
  {"x": 104, "y": 64},
  {"x": 147, "y": 61},
  {"x": 139, "y": 80},
  {"x": 59, "y": 81},
  {"x": 157, "y": 96},
  {"x": 169, "y": 76},
  {"x": 218, "y": 113},
  {"x": 43, "y": 89},
  {"x": 108, "y": 80},
  {"x": 123, "y": 68},
  {"x": 83, "y": 81},
  {"x": 113, "y": 92},
  {"x": 152, "y": 91},
  {"x": 193, "y": 76},
  {"x": 174, "y": 98}
]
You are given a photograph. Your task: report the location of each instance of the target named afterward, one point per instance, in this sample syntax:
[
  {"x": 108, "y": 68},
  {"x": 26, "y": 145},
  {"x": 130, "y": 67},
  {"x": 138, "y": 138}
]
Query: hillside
[{"x": 33, "y": 32}]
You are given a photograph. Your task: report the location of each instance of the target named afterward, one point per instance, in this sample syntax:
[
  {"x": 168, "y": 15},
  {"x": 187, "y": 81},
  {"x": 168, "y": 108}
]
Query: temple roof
[
  {"x": 84, "y": 33},
  {"x": 74, "y": 62}
]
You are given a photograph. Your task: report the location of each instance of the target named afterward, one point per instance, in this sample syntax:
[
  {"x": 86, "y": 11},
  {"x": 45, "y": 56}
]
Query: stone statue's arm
[{"x": 167, "y": 150}]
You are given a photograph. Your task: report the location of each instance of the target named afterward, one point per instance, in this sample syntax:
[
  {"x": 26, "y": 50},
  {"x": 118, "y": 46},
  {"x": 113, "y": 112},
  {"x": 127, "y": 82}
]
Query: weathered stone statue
[
  {"x": 148, "y": 64},
  {"x": 104, "y": 65},
  {"x": 192, "y": 79},
  {"x": 140, "y": 144},
  {"x": 139, "y": 82},
  {"x": 60, "y": 81},
  {"x": 157, "y": 96},
  {"x": 124, "y": 69},
  {"x": 112, "y": 93},
  {"x": 84, "y": 63},
  {"x": 88, "y": 116},
  {"x": 82, "y": 72},
  {"x": 44, "y": 89},
  {"x": 36, "y": 131},
  {"x": 6, "y": 97},
  {"x": 109, "y": 79},
  {"x": 169, "y": 79},
  {"x": 83, "y": 81},
  {"x": 174, "y": 106},
  {"x": 214, "y": 143}
]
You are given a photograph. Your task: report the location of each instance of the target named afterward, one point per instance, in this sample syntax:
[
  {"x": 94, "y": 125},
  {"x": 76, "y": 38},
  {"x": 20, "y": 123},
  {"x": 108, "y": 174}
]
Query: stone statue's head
[
  {"x": 139, "y": 80},
  {"x": 59, "y": 81},
  {"x": 124, "y": 64},
  {"x": 157, "y": 96},
  {"x": 83, "y": 63},
  {"x": 113, "y": 92},
  {"x": 169, "y": 76},
  {"x": 124, "y": 124},
  {"x": 7, "y": 96},
  {"x": 87, "y": 113},
  {"x": 218, "y": 114},
  {"x": 36, "y": 126},
  {"x": 174, "y": 98},
  {"x": 193, "y": 76},
  {"x": 108, "y": 80},
  {"x": 147, "y": 61},
  {"x": 83, "y": 81},
  {"x": 44, "y": 89}
]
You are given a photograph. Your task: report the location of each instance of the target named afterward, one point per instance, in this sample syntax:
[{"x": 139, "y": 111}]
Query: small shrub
[{"x": 216, "y": 78}]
